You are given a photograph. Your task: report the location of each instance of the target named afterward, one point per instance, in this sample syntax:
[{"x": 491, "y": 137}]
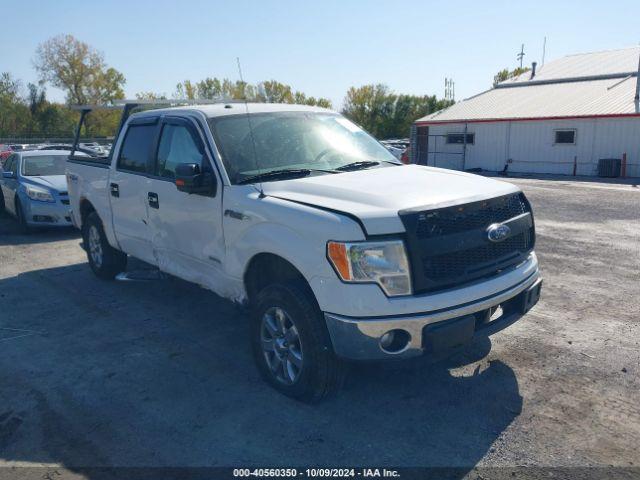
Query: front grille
[
  {"x": 461, "y": 218},
  {"x": 468, "y": 262},
  {"x": 450, "y": 246}
]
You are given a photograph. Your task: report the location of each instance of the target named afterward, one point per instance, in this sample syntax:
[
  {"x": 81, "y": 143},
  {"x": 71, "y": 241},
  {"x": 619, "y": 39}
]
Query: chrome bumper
[{"x": 359, "y": 338}]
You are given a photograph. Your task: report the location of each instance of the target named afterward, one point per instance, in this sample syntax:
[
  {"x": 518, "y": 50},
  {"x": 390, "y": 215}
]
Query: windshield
[
  {"x": 43, "y": 165},
  {"x": 298, "y": 140}
]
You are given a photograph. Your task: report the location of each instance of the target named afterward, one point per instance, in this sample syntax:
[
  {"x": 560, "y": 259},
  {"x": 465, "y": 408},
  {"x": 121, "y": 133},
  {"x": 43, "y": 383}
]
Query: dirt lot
[{"x": 159, "y": 374}]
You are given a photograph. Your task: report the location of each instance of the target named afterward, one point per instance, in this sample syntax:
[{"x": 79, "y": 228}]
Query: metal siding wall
[
  {"x": 616, "y": 136},
  {"x": 531, "y": 148},
  {"x": 489, "y": 149},
  {"x": 449, "y": 155},
  {"x": 487, "y": 152}
]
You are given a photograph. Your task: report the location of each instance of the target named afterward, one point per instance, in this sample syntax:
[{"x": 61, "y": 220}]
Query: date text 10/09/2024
[{"x": 317, "y": 472}]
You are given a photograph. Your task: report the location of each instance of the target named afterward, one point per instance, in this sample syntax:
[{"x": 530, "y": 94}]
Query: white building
[{"x": 562, "y": 116}]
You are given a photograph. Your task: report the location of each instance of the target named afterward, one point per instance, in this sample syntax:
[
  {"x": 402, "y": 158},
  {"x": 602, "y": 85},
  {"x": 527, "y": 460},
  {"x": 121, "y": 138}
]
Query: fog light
[
  {"x": 387, "y": 339},
  {"x": 395, "y": 341}
]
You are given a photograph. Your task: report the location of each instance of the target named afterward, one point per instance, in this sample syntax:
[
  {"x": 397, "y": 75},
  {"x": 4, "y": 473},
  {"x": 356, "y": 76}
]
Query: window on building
[
  {"x": 565, "y": 137},
  {"x": 458, "y": 138}
]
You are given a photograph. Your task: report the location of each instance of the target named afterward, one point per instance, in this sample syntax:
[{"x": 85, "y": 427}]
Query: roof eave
[{"x": 526, "y": 119}]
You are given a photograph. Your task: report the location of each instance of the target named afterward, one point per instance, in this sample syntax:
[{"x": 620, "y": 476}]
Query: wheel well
[
  {"x": 85, "y": 209},
  {"x": 267, "y": 268}
]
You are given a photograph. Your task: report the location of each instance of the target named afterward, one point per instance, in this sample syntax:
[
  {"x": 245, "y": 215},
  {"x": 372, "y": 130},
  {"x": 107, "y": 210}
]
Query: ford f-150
[{"x": 341, "y": 252}]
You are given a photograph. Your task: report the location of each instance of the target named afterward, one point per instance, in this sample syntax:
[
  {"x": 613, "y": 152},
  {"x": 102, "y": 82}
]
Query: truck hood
[
  {"x": 54, "y": 182},
  {"x": 376, "y": 195}
]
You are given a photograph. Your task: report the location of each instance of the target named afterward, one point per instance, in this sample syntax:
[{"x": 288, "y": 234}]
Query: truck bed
[{"x": 100, "y": 162}]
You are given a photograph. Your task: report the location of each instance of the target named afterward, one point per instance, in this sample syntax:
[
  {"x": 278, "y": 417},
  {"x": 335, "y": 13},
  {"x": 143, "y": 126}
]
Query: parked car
[
  {"x": 5, "y": 151},
  {"x": 395, "y": 151},
  {"x": 80, "y": 148},
  {"x": 406, "y": 156},
  {"x": 341, "y": 252},
  {"x": 94, "y": 147},
  {"x": 16, "y": 147},
  {"x": 33, "y": 189}
]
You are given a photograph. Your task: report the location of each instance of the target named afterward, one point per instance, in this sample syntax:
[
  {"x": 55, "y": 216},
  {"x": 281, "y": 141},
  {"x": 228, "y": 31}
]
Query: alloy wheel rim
[
  {"x": 281, "y": 345},
  {"x": 95, "y": 246}
]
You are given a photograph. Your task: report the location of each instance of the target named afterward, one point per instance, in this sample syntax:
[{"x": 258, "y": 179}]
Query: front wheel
[
  {"x": 105, "y": 261},
  {"x": 22, "y": 218},
  {"x": 291, "y": 344}
]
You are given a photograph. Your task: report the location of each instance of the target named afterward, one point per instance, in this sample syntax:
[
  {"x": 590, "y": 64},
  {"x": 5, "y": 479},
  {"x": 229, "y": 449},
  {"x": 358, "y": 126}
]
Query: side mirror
[
  {"x": 8, "y": 175},
  {"x": 191, "y": 179}
]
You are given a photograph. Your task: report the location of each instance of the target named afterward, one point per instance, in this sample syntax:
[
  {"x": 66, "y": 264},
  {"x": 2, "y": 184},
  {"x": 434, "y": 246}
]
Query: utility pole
[
  {"x": 520, "y": 56},
  {"x": 449, "y": 89}
]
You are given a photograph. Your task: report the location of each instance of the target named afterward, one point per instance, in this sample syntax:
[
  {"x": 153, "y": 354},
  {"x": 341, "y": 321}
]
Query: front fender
[{"x": 297, "y": 233}]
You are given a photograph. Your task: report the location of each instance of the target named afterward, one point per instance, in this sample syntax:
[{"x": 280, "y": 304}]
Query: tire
[
  {"x": 22, "y": 220},
  {"x": 2, "y": 205},
  {"x": 308, "y": 369},
  {"x": 105, "y": 261}
]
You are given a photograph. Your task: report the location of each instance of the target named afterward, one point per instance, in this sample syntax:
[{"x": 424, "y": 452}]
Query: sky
[{"x": 319, "y": 47}]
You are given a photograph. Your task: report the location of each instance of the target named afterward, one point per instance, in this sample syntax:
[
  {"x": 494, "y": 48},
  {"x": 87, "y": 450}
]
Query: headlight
[
  {"x": 384, "y": 263},
  {"x": 40, "y": 194}
]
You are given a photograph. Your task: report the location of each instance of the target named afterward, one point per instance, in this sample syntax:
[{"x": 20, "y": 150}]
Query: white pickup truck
[{"x": 341, "y": 252}]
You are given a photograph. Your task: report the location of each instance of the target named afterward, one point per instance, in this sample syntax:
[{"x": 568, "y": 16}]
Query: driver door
[{"x": 186, "y": 229}]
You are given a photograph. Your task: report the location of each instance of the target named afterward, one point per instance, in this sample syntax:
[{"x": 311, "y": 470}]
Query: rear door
[
  {"x": 186, "y": 229},
  {"x": 128, "y": 186}
]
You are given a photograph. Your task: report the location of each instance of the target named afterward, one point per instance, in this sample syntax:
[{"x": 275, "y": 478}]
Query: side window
[
  {"x": 136, "y": 148},
  {"x": 565, "y": 137},
  {"x": 458, "y": 138},
  {"x": 178, "y": 144},
  {"x": 9, "y": 163},
  {"x": 13, "y": 165}
]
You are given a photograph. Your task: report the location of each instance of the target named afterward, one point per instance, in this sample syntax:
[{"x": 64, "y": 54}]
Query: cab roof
[{"x": 235, "y": 108}]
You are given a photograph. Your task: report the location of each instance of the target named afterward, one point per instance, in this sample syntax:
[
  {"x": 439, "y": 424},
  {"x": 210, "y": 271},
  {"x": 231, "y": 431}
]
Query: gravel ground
[{"x": 159, "y": 374}]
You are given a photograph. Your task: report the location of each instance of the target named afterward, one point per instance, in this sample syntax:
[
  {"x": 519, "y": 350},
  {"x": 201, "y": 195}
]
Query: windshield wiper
[
  {"x": 276, "y": 174},
  {"x": 357, "y": 165},
  {"x": 284, "y": 172}
]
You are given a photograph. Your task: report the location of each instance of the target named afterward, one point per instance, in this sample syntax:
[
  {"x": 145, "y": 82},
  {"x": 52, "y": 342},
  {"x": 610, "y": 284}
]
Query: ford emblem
[{"x": 498, "y": 232}]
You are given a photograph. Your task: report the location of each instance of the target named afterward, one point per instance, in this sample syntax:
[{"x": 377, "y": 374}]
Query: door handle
[
  {"x": 152, "y": 198},
  {"x": 115, "y": 190}
]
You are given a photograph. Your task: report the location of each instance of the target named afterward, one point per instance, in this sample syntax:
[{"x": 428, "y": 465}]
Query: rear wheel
[
  {"x": 2, "y": 207},
  {"x": 291, "y": 344},
  {"x": 105, "y": 261}
]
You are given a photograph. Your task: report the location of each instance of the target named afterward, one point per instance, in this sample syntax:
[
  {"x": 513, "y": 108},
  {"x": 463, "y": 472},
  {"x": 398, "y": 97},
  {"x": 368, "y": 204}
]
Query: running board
[{"x": 140, "y": 276}]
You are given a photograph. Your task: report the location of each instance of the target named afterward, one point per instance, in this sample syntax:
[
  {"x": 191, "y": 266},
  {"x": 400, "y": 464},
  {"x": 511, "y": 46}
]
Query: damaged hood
[{"x": 376, "y": 195}]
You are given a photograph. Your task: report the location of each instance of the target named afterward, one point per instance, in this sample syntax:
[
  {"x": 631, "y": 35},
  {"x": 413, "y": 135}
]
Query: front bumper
[
  {"x": 47, "y": 214},
  {"x": 435, "y": 331}
]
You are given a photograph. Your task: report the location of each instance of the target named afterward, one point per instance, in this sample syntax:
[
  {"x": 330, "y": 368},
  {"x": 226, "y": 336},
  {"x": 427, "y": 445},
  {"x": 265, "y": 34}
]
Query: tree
[
  {"x": 385, "y": 114},
  {"x": 67, "y": 63},
  {"x": 150, "y": 96},
  {"x": 270, "y": 91},
  {"x": 505, "y": 74},
  {"x": 31, "y": 115}
]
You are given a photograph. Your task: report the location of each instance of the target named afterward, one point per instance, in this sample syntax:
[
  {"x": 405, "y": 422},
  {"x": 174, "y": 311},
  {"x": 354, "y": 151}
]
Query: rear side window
[
  {"x": 9, "y": 164},
  {"x": 136, "y": 147},
  {"x": 178, "y": 144}
]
